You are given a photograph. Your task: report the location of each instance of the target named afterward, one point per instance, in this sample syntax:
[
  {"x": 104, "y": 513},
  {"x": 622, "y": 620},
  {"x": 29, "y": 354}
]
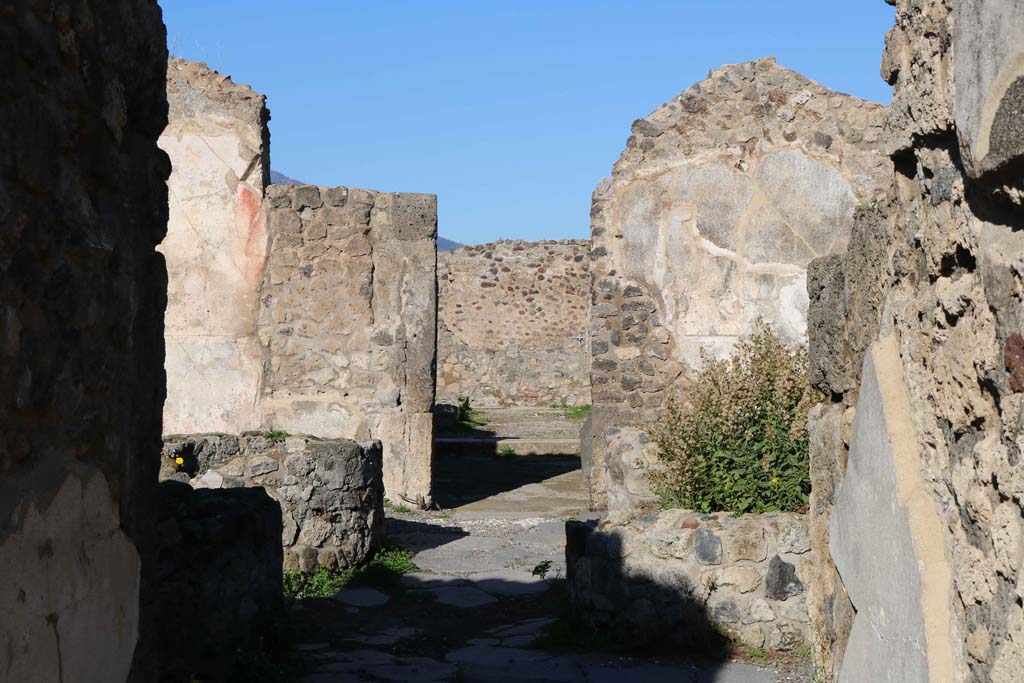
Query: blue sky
[{"x": 509, "y": 111}]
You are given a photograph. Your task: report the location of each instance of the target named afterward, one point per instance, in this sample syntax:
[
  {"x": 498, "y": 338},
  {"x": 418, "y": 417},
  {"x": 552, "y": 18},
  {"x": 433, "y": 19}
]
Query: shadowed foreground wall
[
  {"x": 83, "y": 204},
  {"x": 916, "y": 334},
  {"x": 512, "y": 324}
]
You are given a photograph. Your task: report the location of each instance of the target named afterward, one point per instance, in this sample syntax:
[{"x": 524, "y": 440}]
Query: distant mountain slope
[
  {"x": 447, "y": 245},
  {"x": 281, "y": 179}
]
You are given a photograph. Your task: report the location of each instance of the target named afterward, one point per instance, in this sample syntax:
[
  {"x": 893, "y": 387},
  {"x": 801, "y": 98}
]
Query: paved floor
[{"x": 484, "y": 606}]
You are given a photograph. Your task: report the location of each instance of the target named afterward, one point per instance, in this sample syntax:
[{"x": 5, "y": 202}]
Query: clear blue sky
[{"x": 509, "y": 111}]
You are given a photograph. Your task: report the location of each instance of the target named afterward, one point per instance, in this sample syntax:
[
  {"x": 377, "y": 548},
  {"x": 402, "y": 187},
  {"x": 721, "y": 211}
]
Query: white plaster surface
[
  {"x": 69, "y": 599},
  {"x": 886, "y": 539}
]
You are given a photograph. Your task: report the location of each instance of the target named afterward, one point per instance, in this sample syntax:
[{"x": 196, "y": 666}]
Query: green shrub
[
  {"x": 739, "y": 443},
  {"x": 383, "y": 571}
]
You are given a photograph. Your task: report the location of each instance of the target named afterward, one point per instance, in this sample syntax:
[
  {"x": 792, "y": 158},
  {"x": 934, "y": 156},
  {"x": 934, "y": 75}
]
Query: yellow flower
[
  {"x": 179, "y": 460},
  {"x": 775, "y": 481}
]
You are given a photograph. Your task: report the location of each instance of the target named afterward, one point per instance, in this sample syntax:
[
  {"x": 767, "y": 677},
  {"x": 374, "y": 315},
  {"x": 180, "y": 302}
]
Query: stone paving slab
[
  {"x": 361, "y": 597},
  {"x": 422, "y": 580},
  {"x": 464, "y": 597},
  {"x": 388, "y": 636},
  {"x": 509, "y": 582},
  {"x": 489, "y": 664},
  {"x": 385, "y": 667}
]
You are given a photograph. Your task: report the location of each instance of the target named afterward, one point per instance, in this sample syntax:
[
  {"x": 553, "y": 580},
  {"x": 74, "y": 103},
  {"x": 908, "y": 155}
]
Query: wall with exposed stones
[
  {"x": 330, "y": 491},
  {"x": 512, "y": 324},
  {"x": 216, "y": 244},
  {"x": 915, "y": 332},
  {"x": 304, "y": 309},
  {"x": 720, "y": 200},
  {"x": 83, "y": 204},
  {"x": 681, "y": 579},
  {"x": 219, "y": 595},
  {"x": 347, "y": 320}
]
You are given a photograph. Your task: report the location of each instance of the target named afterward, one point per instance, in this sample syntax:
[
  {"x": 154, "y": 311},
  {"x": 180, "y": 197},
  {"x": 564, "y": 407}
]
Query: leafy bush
[
  {"x": 383, "y": 571},
  {"x": 740, "y": 443}
]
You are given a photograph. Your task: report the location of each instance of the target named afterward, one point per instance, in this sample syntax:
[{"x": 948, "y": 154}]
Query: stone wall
[
  {"x": 512, "y": 324},
  {"x": 685, "y": 579},
  {"x": 916, "y": 335},
  {"x": 330, "y": 491},
  {"x": 347, "y": 320},
  {"x": 219, "y": 592},
  {"x": 83, "y": 204},
  {"x": 216, "y": 244},
  {"x": 305, "y": 309},
  {"x": 720, "y": 200}
]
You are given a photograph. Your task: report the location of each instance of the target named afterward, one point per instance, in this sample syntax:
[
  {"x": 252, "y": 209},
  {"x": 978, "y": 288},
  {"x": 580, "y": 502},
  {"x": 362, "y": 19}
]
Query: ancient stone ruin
[
  {"x": 83, "y": 205},
  {"x": 512, "y": 323},
  {"x": 720, "y": 200},
  {"x": 270, "y": 352},
  {"x": 916, "y": 334},
  {"x": 275, "y": 319}
]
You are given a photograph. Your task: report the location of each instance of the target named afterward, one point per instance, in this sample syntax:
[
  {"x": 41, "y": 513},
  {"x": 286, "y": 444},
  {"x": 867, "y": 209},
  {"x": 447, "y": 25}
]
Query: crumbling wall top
[{"x": 195, "y": 89}]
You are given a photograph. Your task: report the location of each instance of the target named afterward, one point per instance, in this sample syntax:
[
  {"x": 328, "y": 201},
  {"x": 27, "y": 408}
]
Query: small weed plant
[
  {"x": 466, "y": 418},
  {"x": 397, "y": 507},
  {"x": 275, "y": 435},
  {"x": 740, "y": 444},
  {"x": 384, "y": 571},
  {"x": 573, "y": 412},
  {"x": 506, "y": 451}
]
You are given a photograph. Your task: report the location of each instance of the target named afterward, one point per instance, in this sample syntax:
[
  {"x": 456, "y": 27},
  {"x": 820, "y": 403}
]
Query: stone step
[
  {"x": 531, "y": 432},
  {"x": 521, "y": 445},
  {"x": 522, "y": 415}
]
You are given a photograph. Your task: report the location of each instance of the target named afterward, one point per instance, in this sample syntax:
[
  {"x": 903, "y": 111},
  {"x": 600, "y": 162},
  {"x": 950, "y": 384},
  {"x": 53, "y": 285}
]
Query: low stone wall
[
  {"x": 683, "y": 578},
  {"x": 512, "y": 321},
  {"x": 219, "y": 589},
  {"x": 331, "y": 492}
]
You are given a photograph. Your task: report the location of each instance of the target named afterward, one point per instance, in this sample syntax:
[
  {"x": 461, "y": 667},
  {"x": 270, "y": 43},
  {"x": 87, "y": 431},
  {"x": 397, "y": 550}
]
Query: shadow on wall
[
  {"x": 217, "y": 593},
  {"x": 659, "y": 618}
]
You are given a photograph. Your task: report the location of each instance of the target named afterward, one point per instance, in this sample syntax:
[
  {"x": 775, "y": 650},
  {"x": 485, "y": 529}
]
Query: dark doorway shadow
[
  {"x": 419, "y": 536},
  {"x": 473, "y": 462}
]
